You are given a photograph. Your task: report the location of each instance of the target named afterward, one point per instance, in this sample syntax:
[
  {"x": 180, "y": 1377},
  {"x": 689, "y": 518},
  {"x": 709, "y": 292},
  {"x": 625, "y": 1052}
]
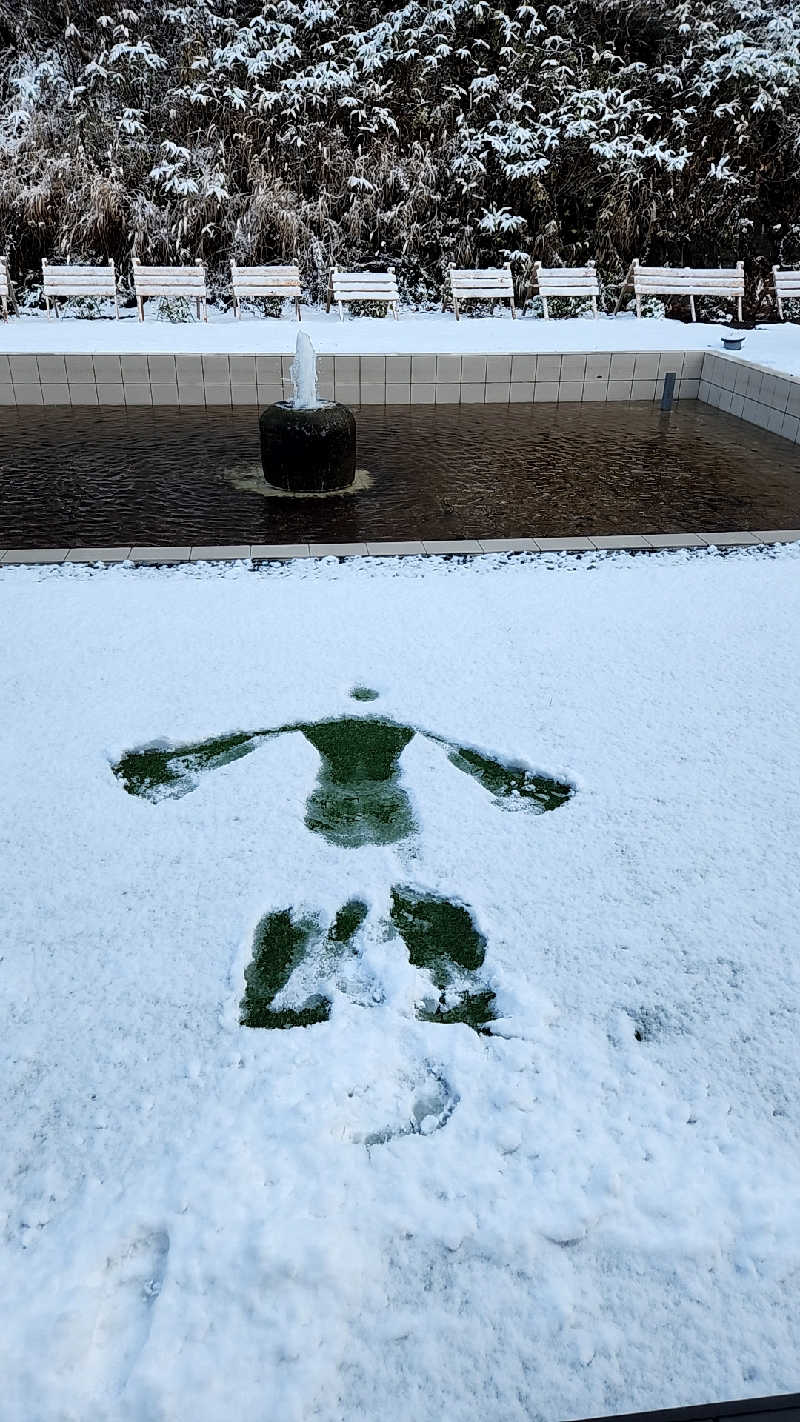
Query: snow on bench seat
[
  {"x": 72, "y": 280},
  {"x": 481, "y": 284},
  {"x": 684, "y": 281},
  {"x": 787, "y": 286},
  {"x": 259, "y": 283},
  {"x": 577, "y": 282},
  {"x": 363, "y": 286},
  {"x": 171, "y": 282}
]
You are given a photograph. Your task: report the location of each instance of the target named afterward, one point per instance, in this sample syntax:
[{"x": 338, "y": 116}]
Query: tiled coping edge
[{"x": 155, "y": 556}]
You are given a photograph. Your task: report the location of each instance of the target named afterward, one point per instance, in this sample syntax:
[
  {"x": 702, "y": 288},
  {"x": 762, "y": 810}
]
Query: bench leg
[
  {"x": 341, "y": 312},
  {"x": 49, "y": 312},
  {"x": 455, "y": 308},
  {"x": 5, "y": 308},
  {"x": 545, "y": 308},
  {"x": 297, "y": 305},
  {"x": 513, "y": 309},
  {"x": 394, "y": 311},
  {"x": 739, "y": 307},
  {"x": 779, "y": 300},
  {"x": 236, "y": 312},
  {"x": 140, "y": 307},
  {"x": 594, "y": 308},
  {"x": 691, "y": 307},
  {"x": 116, "y": 304},
  {"x": 330, "y": 294},
  {"x": 638, "y": 306}
]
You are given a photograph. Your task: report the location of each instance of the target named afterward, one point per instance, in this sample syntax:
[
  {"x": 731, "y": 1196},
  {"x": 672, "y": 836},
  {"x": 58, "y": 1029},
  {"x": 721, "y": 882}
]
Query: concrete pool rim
[{"x": 255, "y": 553}]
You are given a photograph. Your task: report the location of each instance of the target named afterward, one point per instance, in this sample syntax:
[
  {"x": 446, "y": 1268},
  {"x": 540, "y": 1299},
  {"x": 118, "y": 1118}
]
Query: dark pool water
[{"x": 73, "y": 477}]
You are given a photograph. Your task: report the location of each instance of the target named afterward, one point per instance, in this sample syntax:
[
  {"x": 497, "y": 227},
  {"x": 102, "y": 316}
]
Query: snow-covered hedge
[{"x": 450, "y": 131}]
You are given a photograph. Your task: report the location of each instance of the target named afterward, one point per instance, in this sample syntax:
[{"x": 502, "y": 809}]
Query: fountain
[{"x": 307, "y": 445}]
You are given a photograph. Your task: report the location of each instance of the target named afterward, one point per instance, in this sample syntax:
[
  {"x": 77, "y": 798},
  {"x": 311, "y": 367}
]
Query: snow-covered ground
[
  {"x": 602, "y": 1210},
  {"x": 775, "y": 346}
]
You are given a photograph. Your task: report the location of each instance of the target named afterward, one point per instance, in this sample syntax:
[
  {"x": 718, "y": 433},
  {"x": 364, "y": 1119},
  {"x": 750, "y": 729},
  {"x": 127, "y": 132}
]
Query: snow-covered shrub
[{"x": 421, "y": 133}]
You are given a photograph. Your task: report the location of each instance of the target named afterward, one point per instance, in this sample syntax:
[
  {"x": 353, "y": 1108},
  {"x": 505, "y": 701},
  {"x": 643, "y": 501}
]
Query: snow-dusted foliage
[{"x": 423, "y": 133}]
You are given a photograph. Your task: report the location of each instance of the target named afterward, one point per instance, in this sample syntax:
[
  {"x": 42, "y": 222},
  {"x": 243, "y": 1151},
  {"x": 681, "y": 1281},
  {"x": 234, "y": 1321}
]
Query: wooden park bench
[
  {"x": 577, "y": 282},
  {"x": 177, "y": 282},
  {"x": 486, "y": 284},
  {"x": 787, "y": 286},
  {"x": 684, "y": 281},
  {"x": 259, "y": 283},
  {"x": 363, "y": 286},
  {"x": 71, "y": 280},
  {"x": 6, "y": 289}
]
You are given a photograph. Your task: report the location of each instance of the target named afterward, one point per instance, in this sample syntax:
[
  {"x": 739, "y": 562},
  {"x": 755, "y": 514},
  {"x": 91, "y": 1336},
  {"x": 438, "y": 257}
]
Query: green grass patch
[
  {"x": 347, "y": 922},
  {"x": 476, "y": 1010},
  {"x": 155, "y": 773},
  {"x": 279, "y": 944},
  {"x": 358, "y": 798},
  {"x": 511, "y": 782},
  {"x": 440, "y": 936}
]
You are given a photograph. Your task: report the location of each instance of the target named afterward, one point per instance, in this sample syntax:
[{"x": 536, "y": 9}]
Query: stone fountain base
[{"x": 308, "y": 450}]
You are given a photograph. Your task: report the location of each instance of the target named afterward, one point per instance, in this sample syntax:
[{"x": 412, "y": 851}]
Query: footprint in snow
[{"x": 131, "y": 1283}]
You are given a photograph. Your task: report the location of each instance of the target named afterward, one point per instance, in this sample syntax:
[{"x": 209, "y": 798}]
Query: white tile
[
  {"x": 733, "y": 538},
  {"x": 98, "y": 555},
  {"x": 676, "y": 540},
  {"x": 395, "y": 550},
  {"x": 620, "y": 540},
  {"x": 211, "y": 552},
  {"x": 509, "y": 545},
  {"x": 172, "y": 554},
  {"x": 337, "y": 550},
  {"x": 34, "y": 555},
  {"x": 452, "y": 545},
  {"x": 565, "y": 545},
  {"x": 279, "y": 551}
]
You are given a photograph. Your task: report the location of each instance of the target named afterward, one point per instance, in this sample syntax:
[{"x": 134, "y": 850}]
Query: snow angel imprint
[{"x": 358, "y": 799}]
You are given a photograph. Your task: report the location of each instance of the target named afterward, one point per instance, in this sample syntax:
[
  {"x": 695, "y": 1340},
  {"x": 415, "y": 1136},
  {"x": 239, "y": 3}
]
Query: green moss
[
  {"x": 439, "y": 935},
  {"x": 476, "y": 1009},
  {"x": 279, "y": 944},
  {"x": 347, "y": 922},
  {"x": 357, "y": 799},
  {"x": 155, "y": 773},
  {"x": 511, "y": 781},
  {"x": 363, "y": 693}
]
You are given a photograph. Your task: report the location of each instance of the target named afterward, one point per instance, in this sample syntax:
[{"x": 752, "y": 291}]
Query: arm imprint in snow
[{"x": 358, "y": 798}]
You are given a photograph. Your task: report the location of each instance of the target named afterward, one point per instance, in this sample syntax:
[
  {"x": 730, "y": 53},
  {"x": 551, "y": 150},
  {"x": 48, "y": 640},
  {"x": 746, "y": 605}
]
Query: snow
[
  {"x": 585, "y": 1223},
  {"x": 777, "y": 347}
]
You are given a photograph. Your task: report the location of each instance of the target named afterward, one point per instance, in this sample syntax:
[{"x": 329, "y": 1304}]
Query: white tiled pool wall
[
  {"x": 753, "y": 393},
  {"x": 728, "y": 382},
  {"x": 215, "y": 380}
]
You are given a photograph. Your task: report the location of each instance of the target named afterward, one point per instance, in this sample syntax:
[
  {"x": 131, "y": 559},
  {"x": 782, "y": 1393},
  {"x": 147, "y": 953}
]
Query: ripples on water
[{"x": 99, "y": 477}]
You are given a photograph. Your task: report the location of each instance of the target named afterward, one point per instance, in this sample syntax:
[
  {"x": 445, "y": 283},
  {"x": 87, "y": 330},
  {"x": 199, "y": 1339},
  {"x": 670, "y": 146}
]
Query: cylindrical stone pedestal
[{"x": 308, "y": 451}]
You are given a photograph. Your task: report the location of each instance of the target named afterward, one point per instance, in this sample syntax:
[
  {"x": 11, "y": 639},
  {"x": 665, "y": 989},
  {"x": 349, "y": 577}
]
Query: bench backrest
[
  {"x": 787, "y": 282},
  {"x": 482, "y": 283},
  {"x": 688, "y": 281},
  {"x": 265, "y": 281},
  {"x": 72, "y": 280},
  {"x": 365, "y": 286},
  {"x": 169, "y": 281},
  {"x": 566, "y": 281}
]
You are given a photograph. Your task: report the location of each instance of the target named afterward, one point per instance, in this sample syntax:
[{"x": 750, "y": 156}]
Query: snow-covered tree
[{"x": 423, "y": 133}]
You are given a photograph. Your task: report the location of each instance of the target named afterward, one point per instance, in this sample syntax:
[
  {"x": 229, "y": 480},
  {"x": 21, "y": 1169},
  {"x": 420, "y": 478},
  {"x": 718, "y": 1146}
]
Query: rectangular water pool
[{"x": 99, "y": 477}]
